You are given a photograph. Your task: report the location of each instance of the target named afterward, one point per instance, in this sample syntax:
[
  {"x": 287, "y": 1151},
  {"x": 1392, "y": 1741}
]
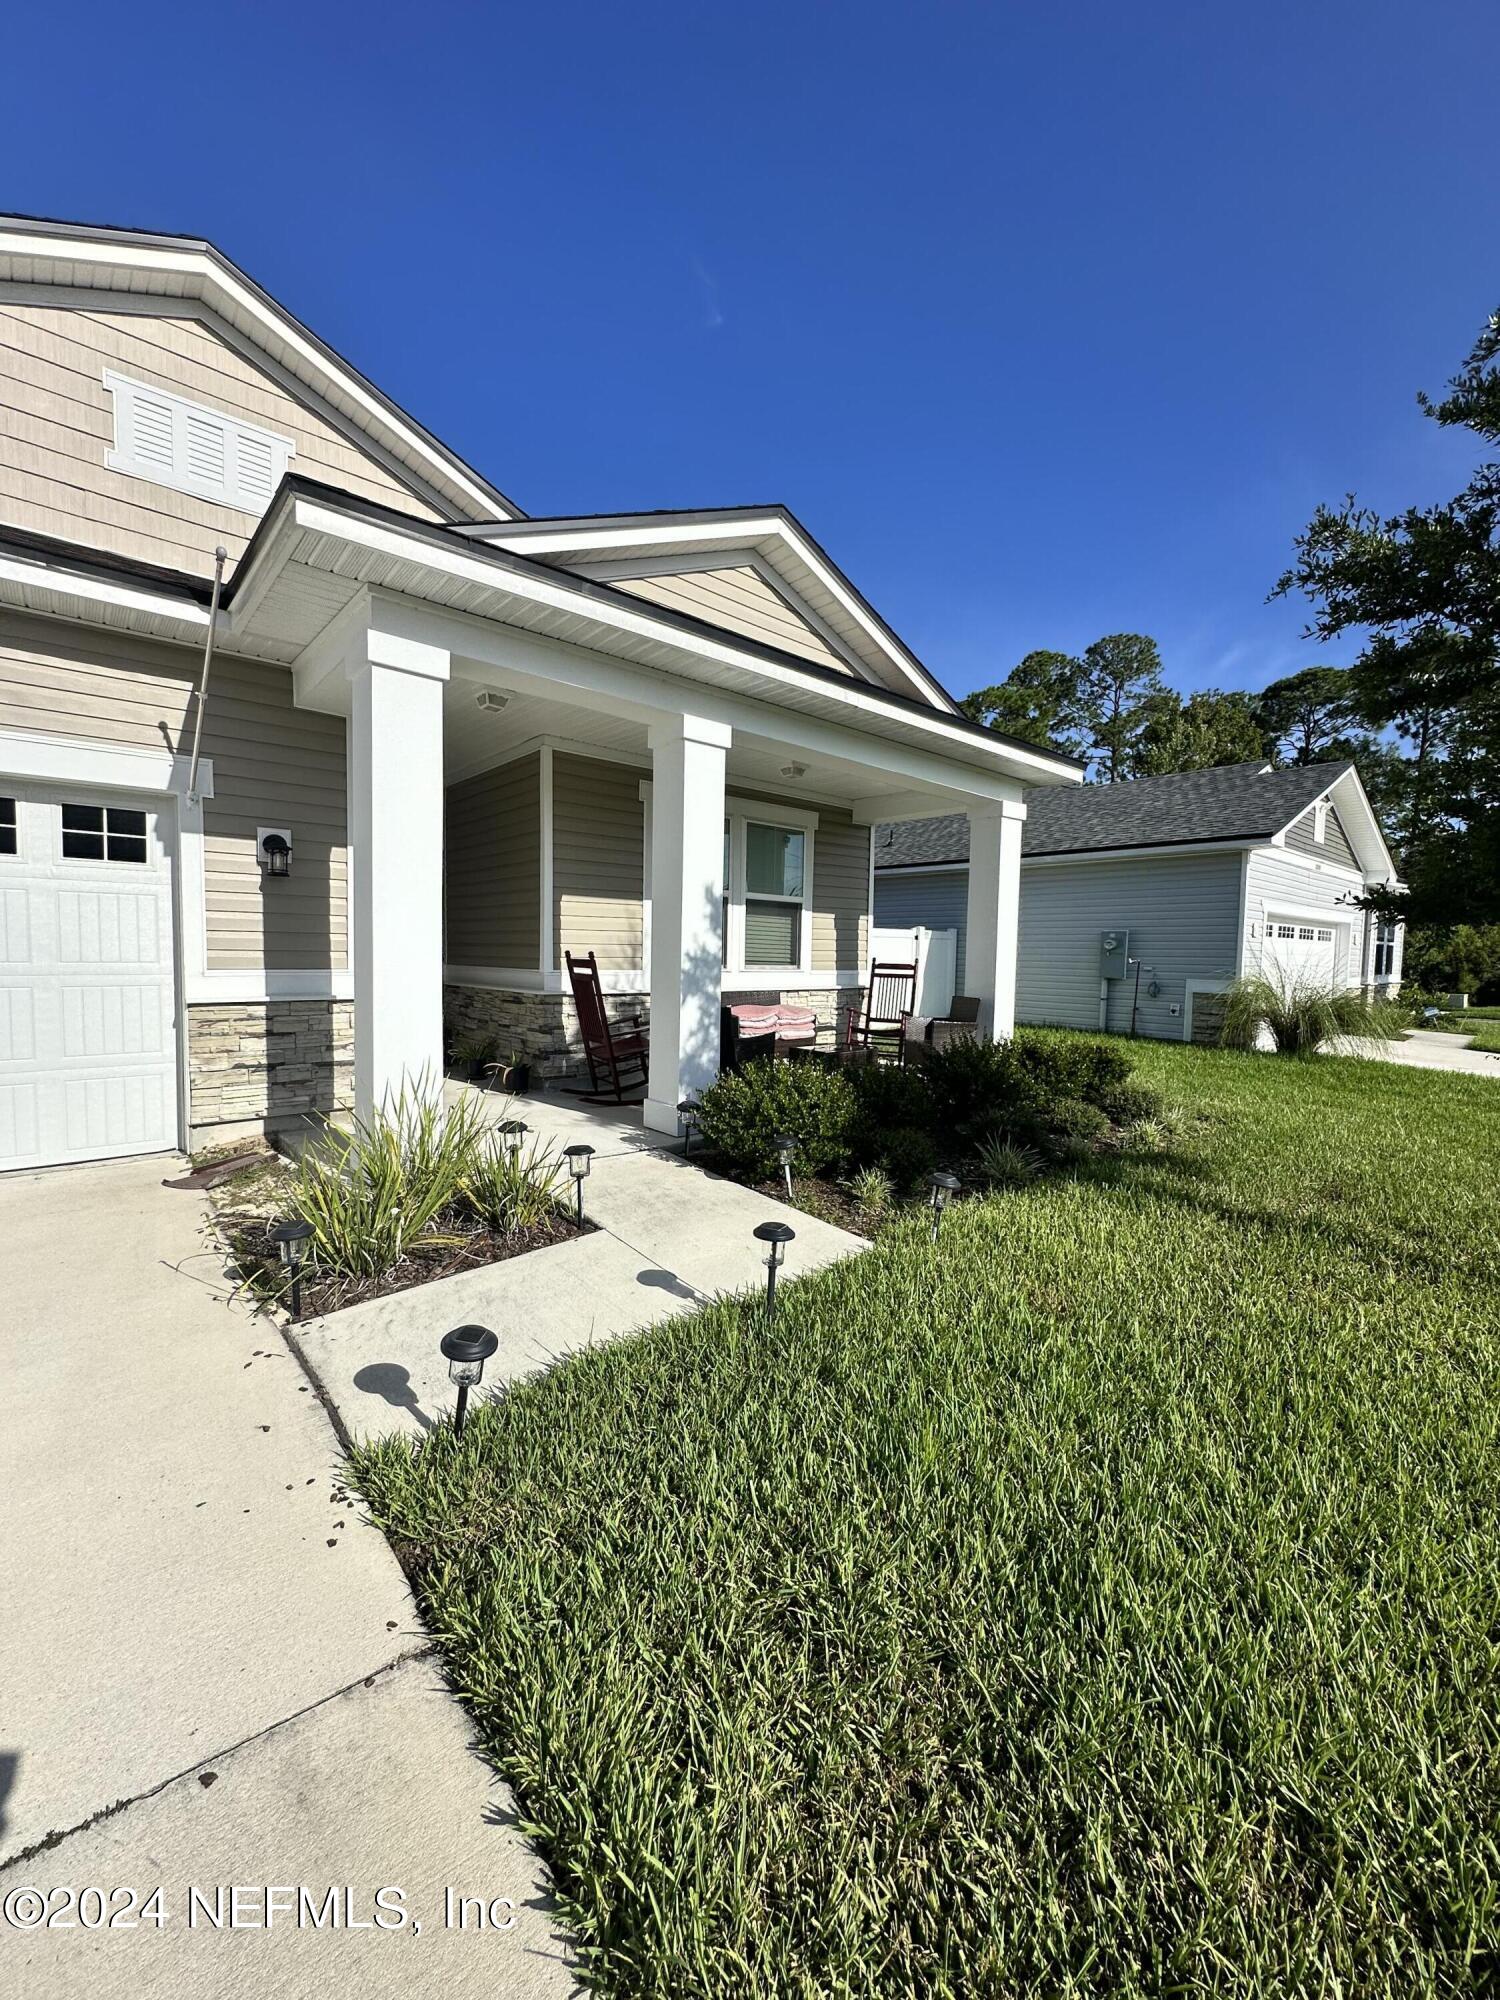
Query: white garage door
[
  {"x": 1301, "y": 952},
  {"x": 88, "y": 1054}
]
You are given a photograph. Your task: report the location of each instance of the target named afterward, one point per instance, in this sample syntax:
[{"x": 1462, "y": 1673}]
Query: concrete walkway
[
  {"x": 211, "y": 1670},
  {"x": 1422, "y": 1048},
  {"x": 669, "y": 1237}
]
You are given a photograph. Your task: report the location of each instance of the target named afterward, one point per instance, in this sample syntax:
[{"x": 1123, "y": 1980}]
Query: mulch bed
[{"x": 456, "y": 1246}]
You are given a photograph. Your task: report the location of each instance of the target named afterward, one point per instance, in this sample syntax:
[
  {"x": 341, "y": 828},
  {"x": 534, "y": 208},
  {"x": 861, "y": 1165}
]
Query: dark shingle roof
[{"x": 1230, "y": 802}]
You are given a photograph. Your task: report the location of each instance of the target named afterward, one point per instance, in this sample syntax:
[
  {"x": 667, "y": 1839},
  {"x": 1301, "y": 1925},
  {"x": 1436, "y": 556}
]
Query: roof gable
[
  {"x": 789, "y": 558},
  {"x": 119, "y": 271}
]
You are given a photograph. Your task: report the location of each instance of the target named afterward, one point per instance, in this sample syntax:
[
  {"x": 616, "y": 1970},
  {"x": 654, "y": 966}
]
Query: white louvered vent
[{"x": 177, "y": 443}]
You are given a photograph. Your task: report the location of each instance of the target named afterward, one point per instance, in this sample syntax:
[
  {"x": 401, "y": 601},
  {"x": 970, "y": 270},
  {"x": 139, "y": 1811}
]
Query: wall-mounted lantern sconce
[
  {"x": 944, "y": 1187},
  {"x": 466, "y": 1349},
  {"x": 273, "y": 848},
  {"x": 775, "y": 1236}
]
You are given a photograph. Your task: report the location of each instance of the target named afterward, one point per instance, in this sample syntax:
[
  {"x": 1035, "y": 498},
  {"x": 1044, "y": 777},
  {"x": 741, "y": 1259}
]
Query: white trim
[
  {"x": 63, "y": 582},
  {"x": 1273, "y": 908},
  {"x": 570, "y": 746},
  {"x": 505, "y": 978},
  {"x": 712, "y": 562},
  {"x": 210, "y": 284},
  {"x": 474, "y": 638},
  {"x": 79, "y": 760},
  {"x": 251, "y": 987},
  {"x": 547, "y": 928},
  {"x": 1190, "y": 987},
  {"x": 129, "y": 397},
  {"x": 1241, "y": 951},
  {"x": 629, "y": 532}
]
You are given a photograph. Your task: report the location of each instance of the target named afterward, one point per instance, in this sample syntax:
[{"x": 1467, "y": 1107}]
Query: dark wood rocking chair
[
  {"x": 890, "y": 1002},
  {"x": 617, "y": 1053}
]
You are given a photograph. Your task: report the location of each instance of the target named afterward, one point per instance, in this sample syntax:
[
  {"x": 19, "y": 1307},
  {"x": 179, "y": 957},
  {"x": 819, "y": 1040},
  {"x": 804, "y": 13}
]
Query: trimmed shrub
[
  {"x": 1061, "y": 1066},
  {"x": 1129, "y": 1102},
  {"x": 908, "y": 1155},
  {"x": 1070, "y": 1118},
  {"x": 742, "y": 1113},
  {"x": 888, "y": 1099}
]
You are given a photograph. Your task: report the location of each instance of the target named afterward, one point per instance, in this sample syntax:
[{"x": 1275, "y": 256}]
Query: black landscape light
[
  {"x": 290, "y": 1239},
  {"x": 688, "y": 1115},
  {"x": 513, "y": 1131},
  {"x": 466, "y": 1349},
  {"x": 578, "y": 1159},
  {"x": 775, "y": 1236},
  {"x": 944, "y": 1188},
  {"x": 786, "y": 1148}
]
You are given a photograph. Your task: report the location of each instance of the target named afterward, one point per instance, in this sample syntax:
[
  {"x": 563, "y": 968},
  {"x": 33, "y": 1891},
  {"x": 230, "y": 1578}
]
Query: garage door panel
[
  {"x": 112, "y": 1114},
  {"x": 17, "y": 1024},
  {"x": 15, "y": 927},
  {"x": 20, "y": 1121},
  {"x": 100, "y": 927},
  {"x": 108, "y": 1021}
]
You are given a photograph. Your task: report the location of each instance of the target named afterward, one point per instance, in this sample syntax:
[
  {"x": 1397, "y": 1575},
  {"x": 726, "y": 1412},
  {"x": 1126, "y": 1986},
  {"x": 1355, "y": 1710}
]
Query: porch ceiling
[{"x": 477, "y": 738}]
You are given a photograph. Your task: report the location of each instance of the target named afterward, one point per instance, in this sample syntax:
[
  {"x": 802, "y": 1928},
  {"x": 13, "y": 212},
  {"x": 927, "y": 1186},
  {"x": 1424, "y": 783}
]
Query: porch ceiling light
[
  {"x": 786, "y": 1152},
  {"x": 943, "y": 1188},
  {"x": 775, "y": 1236},
  {"x": 491, "y": 700},
  {"x": 291, "y": 1239},
  {"x": 794, "y": 770},
  {"x": 278, "y": 854},
  {"x": 466, "y": 1349},
  {"x": 578, "y": 1159}
]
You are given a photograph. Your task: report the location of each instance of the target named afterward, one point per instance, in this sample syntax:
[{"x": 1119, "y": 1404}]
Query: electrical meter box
[{"x": 1114, "y": 950}]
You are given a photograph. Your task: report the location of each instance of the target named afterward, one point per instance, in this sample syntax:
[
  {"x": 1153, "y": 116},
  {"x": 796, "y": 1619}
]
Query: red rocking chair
[
  {"x": 617, "y": 1053},
  {"x": 890, "y": 1002}
]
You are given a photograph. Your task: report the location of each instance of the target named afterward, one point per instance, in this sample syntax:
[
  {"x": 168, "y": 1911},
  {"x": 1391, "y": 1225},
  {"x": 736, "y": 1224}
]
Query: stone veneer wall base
[
  {"x": 542, "y": 1028},
  {"x": 268, "y": 1066}
]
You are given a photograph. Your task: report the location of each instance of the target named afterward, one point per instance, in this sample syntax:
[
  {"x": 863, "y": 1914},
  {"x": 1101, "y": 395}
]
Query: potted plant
[
  {"x": 514, "y": 1074},
  {"x": 471, "y": 1056}
]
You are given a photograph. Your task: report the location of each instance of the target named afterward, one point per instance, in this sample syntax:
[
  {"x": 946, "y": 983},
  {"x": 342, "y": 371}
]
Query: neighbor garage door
[
  {"x": 1302, "y": 952},
  {"x": 88, "y": 1056}
]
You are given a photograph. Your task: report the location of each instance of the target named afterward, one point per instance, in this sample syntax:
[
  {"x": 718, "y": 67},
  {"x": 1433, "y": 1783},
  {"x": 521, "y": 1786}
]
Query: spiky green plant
[
  {"x": 1002, "y": 1162},
  {"x": 1300, "y": 1015},
  {"x": 369, "y": 1194},
  {"x": 511, "y": 1188},
  {"x": 874, "y": 1191}
]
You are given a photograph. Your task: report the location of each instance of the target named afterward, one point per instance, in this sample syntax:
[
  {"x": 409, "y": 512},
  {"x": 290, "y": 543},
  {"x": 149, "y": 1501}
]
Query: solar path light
[
  {"x": 466, "y": 1349},
  {"x": 578, "y": 1159},
  {"x": 786, "y": 1149},
  {"x": 775, "y": 1236},
  {"x": 290, "y": 1239},
  {"x": 944, "y": 1187}
]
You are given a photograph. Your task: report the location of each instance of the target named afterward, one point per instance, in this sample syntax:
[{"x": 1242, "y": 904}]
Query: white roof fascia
[{"x": 191, "y": 271}]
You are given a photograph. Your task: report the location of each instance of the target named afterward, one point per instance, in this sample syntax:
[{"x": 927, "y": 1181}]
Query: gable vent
[{"x": 185, "y": 445}]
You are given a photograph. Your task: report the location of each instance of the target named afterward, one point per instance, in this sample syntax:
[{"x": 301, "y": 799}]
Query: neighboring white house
[
  {"x": 442, "y": 744},
  {"x": 1198, "y": 878}
]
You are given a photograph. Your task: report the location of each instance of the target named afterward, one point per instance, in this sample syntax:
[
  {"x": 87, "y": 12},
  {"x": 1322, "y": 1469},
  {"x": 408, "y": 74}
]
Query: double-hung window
[
  {"x": 767, "y": 890},
  {"x": 1385, "y": 950}
]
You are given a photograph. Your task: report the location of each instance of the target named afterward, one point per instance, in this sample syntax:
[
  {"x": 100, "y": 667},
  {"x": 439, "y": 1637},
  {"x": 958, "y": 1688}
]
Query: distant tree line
[{"x": 1418, "y": 708}]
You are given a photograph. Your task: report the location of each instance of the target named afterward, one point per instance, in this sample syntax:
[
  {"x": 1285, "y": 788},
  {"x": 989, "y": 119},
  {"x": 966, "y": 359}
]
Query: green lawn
[{"x": 1107, "y": 1602}]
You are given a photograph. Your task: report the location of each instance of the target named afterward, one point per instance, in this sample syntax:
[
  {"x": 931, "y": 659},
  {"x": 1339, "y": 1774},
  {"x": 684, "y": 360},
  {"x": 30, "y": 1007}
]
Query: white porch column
[
  {"x": 396, "y": 830},
  {"x": 687, "y": 911},
  {"x": 994, "y": 913}
]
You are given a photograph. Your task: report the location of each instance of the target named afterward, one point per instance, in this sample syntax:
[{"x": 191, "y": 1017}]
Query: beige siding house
[{"x": 441, "y": 745}]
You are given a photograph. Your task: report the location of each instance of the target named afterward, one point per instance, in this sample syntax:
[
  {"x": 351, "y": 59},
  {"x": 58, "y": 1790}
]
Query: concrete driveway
[
  {"x": 211, "y": 1671},
  {"x": 1421, "y": 1048}
]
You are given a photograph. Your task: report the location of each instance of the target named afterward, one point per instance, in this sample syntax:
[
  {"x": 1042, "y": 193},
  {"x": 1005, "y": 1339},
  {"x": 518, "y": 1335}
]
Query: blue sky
[{"x": 1048, "y": 320}]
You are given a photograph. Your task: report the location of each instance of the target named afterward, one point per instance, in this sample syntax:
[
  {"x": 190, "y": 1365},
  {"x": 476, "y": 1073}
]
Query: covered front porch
[{"x": 532, "y": 773}]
